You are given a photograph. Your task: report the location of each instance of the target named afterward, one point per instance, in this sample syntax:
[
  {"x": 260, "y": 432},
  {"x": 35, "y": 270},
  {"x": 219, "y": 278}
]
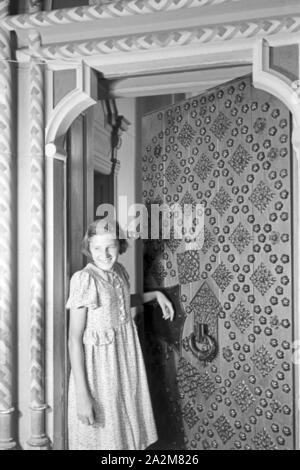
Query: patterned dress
[{"x": 114, "y": 363}]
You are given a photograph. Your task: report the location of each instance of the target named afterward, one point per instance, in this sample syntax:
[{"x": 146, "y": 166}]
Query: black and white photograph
[{"x": 149, "y": 227}]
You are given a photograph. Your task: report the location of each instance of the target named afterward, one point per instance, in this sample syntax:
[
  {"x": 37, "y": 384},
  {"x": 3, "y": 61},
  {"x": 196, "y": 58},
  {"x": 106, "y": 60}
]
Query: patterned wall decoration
[
  {"x": 230, "y": 150},
  {"x": 102, "y": 10},
  {"x": 153, "y": 41},
  {"x": 38, "y": 406},
  {"x": 37, "y": 228}
]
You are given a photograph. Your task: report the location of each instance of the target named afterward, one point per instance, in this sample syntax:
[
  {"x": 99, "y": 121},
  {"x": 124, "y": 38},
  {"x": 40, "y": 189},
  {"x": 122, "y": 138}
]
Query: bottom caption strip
[{"x": 133, "y": 459}]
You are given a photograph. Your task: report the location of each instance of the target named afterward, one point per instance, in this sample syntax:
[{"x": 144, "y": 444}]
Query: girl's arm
[
  {"x": 157, "y": 296},
  {"x": 83, "y": 398}
]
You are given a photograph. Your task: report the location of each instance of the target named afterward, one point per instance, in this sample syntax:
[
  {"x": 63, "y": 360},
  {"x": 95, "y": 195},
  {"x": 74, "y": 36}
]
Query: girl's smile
[{"x": 104, "y": 250}]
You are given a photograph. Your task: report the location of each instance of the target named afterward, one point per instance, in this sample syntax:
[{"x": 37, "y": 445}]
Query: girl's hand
[
  {"x": 166, "y": 306},
  {"x": 85, "y": 410}
]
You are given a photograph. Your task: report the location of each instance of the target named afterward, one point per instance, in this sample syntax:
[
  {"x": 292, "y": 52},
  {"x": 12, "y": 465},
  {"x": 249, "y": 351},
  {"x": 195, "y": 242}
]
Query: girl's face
[{"x": 104, "y": 250}]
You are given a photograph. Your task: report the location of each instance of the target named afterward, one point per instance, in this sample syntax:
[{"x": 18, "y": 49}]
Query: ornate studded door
[{"x": 230, "y": 150}]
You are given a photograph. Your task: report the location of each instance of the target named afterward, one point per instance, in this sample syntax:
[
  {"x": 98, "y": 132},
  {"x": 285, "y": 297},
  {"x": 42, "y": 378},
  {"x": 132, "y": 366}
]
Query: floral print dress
[{"x": 114, "y": 364}]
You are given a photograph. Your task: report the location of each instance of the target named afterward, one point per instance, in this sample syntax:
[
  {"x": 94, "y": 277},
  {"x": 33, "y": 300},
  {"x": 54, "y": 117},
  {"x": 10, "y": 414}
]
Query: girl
[{"x": 109, "y": 401}]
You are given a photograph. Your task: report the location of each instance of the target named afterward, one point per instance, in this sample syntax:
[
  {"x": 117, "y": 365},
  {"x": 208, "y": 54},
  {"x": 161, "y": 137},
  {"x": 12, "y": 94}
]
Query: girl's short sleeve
[{"x": 83, "y": 291}]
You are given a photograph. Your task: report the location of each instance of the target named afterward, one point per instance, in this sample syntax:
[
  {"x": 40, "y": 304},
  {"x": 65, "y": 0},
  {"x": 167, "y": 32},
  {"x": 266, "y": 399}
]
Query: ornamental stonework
[
  {"x": 263, "y": 441},
  {"x": 243, "y": 396},
  {"x": 242, "y": 317},
  {"x": 222, "y": 277},
  {"x": 240, "y": 160},
  {"x": 220, "y": 126},
  {"x": 172, "y": 172},
  {"x": 188, "y": 266},
  {"x": 203, "y": 167},
  {"x": 186, "y": 135},
  {"x": 240, "y": 238},
  {"x": 222, "y": 201},
  {"x": 261, "y": 197},
  {"x": 263, "y": 361},
  {"x": 224, "y": 429},
  {"x": 262, "y": 279}
]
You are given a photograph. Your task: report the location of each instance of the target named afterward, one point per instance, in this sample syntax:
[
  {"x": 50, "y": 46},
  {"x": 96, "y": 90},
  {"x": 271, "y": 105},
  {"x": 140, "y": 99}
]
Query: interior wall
[
  {"x": 130, "y": 175},
  {"x": 127, "y": 187},
  {"x": 148, "y": 104}
]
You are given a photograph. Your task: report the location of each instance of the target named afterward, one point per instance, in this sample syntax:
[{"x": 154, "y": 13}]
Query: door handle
[{"x": 203, "y": 346}]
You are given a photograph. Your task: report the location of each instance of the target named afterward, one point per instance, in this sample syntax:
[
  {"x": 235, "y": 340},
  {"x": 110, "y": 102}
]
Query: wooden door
[
  {"x": 229, "y": 149},
  {"x": 79, "y": 190},
  {"x": 87, "y": 188},
  {"x": 80, "y": 185},
  {"x": 102, "y": 190}
]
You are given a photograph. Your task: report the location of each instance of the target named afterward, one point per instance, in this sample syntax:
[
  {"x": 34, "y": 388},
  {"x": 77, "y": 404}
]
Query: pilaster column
[
  {"x": 7, "y": 190},
  {"x": 38, "y": 439}
]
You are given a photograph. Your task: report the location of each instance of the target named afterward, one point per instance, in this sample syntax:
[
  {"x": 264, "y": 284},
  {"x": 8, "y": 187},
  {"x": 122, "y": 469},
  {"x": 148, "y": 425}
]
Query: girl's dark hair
[{"x": 99, "y": 227}]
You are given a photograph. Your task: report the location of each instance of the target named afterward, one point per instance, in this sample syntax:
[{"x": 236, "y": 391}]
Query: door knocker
[{"x": 203, "y": 346}]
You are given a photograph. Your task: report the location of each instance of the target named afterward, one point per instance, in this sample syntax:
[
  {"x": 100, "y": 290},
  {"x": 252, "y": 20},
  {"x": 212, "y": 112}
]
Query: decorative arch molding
[
  {"x": 75, "y": 100},
  {"x": 113, "y": 9},
  {"x": 153, "y": 39},
  {"x": 156, "y": 39},
  {"x": 66, "y": 111}
]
